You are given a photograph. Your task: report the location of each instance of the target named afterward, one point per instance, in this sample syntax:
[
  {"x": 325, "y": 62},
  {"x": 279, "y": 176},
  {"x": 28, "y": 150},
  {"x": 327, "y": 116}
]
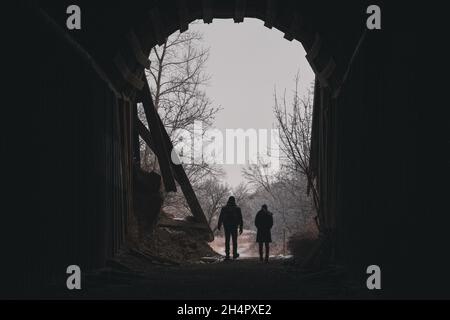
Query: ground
[
  {"x": 176, "y": 265},
  {"x": 246, "y": 241},
  {"x": 245, "y": 278}
]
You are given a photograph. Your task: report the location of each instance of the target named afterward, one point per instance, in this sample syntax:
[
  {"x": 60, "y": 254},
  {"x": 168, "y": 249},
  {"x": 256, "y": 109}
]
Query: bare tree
[
  {"x": 212, "y": 195},
  {"x": 288, "y": 189},
  {"x": 267, "y": 183},
  {"x": 200, "y": 183},
  {"x": 259, "y": 175},
  {"x": 241, "y": 192},
  {"x": 295, "y": 128},
  {"x": 177, "y": 79},
  {"x": 285, "y": 194}
]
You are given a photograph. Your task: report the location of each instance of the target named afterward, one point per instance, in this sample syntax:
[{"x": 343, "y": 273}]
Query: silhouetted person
[
  {"x": 231, "y": 218},
  {"x": 264, "y": 222}
]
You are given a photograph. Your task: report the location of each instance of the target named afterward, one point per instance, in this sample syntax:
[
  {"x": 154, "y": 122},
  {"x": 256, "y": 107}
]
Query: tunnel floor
[{"x": 245, "y": 278}]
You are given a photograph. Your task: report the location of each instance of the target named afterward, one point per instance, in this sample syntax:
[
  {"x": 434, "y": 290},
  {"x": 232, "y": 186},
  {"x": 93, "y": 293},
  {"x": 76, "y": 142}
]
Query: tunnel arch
[
  {"x": 327, "y": 60},
  {"x": 118, "y": 38},
  {"x": 159, "y": 19}
]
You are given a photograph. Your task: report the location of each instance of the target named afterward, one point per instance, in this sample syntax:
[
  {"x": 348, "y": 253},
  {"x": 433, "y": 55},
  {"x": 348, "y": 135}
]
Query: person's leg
[
  {"x": 261, "y": 251},
  {"x": 234, "y": 235},
  {"x": 267, "y": 251},
  {"x": 227, "y": 243}
]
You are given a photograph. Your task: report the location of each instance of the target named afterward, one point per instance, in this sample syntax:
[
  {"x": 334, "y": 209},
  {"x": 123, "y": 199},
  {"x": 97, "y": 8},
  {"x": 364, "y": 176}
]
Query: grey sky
[{"x": 247, "y": 61}]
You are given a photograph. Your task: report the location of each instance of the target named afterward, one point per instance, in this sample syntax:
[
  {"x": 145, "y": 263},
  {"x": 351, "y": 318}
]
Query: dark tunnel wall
[
  {"x": 376, "y": 166},
  {"x": 83, "y": 183},
  {"x": 381, "y": 211}
]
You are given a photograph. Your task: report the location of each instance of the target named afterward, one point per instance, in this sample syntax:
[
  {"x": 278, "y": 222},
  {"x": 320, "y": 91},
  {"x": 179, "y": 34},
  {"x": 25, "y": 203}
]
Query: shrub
[{"x": 301, "y": 244}]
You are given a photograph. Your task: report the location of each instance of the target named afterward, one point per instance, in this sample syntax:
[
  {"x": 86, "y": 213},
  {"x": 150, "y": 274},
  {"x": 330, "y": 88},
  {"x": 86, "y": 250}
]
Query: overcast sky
[{"x": 247, "y": 61}]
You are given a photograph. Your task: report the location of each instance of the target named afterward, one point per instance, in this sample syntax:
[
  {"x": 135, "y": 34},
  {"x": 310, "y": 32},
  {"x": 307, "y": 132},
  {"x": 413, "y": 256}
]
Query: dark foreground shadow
[{"x": 244, "y": 278}]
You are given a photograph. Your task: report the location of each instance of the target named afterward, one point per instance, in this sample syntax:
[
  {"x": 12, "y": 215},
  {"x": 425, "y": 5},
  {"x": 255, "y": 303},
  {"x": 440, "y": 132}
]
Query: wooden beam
[
  {"x": 163, "y": 145},
  {"x": 158, "y": 29},
  {"x": 126, "y": 73},
  {"x": 207, "y": 11},
  {"x": 183, "y": 15},
  {"x": 181, "y": 224},
  {"x": 157, "y": 137},
  {"x": 144, "y": 254},
  {"x": 294, "y": 27},
  {"x": 186, "y": 187},
  {"x": 270, "y": 13},
  {"x": 136, "y": 144},
  {"x": 313, "y": 52},
  {"x": 340, "y": 83},
  {"x": 137, "y": 50},
  {"x": 325, "y": 74},
  {"x": 312, "y": 56},
  {"x": 239, "y": 10},
  {"x": 145, "y": 134}
]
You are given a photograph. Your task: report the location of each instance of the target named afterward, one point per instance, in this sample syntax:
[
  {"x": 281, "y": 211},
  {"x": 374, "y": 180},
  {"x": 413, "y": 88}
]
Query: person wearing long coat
[{"x": 264, "y": 223}]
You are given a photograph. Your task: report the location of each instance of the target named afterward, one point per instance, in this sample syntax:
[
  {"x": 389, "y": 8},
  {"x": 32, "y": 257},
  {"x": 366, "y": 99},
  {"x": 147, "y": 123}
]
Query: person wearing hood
[
  {"x": 264, "y": 222},
  {"x": 231, "y": 219}
]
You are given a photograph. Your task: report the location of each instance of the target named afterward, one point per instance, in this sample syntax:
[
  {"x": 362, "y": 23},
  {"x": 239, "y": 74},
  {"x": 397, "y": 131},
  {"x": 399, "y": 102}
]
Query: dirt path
[{"x": 246, "y": 244}]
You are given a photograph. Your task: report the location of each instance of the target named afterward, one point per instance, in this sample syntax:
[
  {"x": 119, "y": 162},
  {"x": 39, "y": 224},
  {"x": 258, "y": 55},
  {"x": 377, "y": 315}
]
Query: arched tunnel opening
[
  {"x": 240, "y": 153},
  {"x": 95, "y": 200}
]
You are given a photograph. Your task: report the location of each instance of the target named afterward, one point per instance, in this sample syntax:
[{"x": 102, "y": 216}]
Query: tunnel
[{"x": 90, "y": 192}]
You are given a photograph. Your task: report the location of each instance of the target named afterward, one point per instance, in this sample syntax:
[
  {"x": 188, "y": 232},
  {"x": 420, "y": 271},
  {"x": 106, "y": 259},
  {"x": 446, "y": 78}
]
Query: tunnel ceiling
[{"x": 120, "y": 35}]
